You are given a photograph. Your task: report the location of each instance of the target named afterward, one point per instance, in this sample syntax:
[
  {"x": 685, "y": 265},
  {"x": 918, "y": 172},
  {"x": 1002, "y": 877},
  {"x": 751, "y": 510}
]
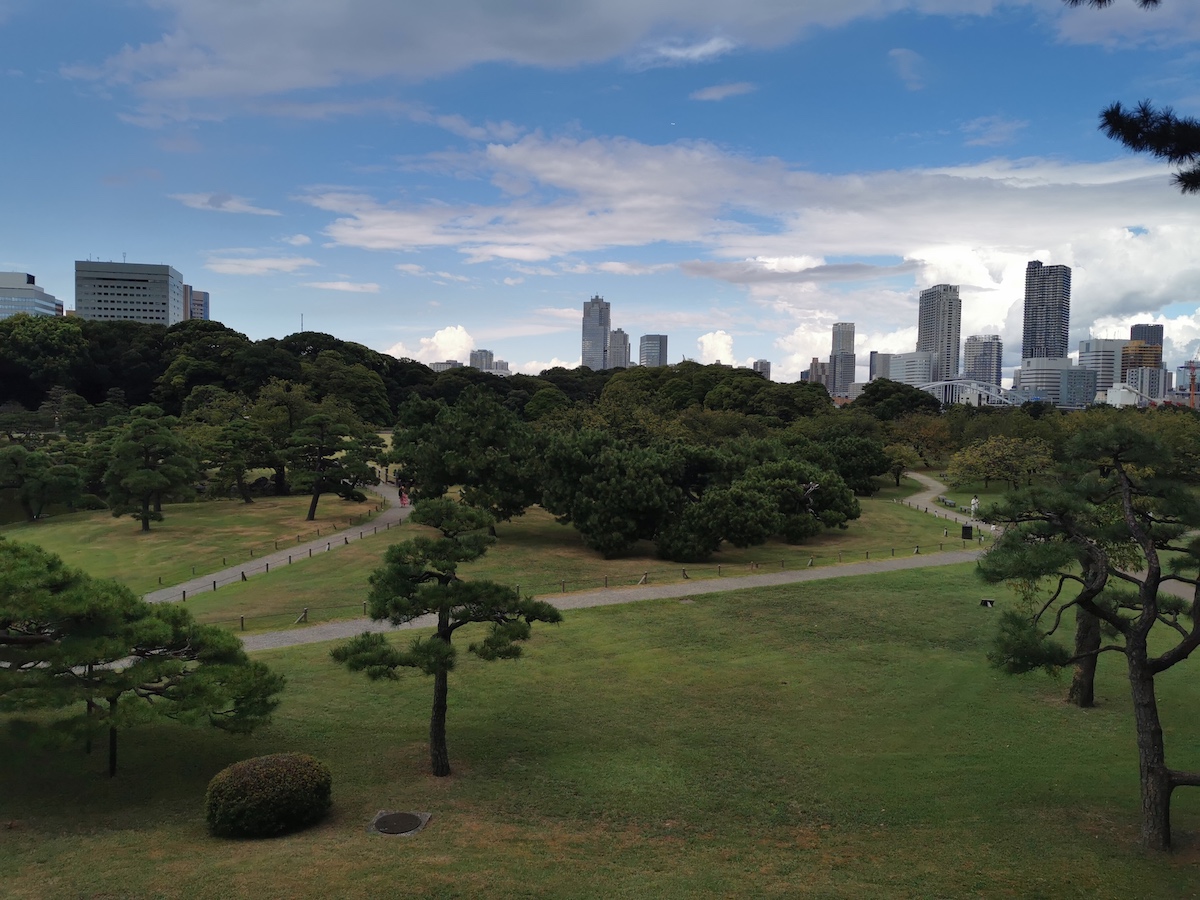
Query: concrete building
[
  {"x": 481, "y": 359},
  {"x": 915, "y": 368},
  {"x": 1047, "y": 311},
  {"x": 136, "y": 292},
  {"x": 939, "y": 328},
  {"x": 446, "y": 365},
  {"x": 652, "y": 350},
  {"x": 982, "y": 356},
  {"x": 879, "y": 365},
  {"x": 817, "y": 373},
  {"x": 618, "y": 349},
  {"x": 841, "y": 359},
  {"x": 1140, "y": 355},
  {"x": 597, "y": 320},
  {"x": 1149, "y": 381},
  {"x": 196, "y": 303},
  {"x": 763, "y": 368},
  {"x": 1150, "y": 334},
  {"x": 1102, "y": 356},
  {"x": 19, "y": 293},
  {"x": 1057, "y": 381}
]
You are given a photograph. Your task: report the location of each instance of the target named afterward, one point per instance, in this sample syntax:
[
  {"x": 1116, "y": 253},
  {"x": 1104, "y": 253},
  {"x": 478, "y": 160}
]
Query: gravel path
[{"x": 328, "y": 543}]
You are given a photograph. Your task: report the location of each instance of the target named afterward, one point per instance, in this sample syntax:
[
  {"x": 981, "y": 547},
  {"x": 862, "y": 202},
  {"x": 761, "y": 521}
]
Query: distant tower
[
  {"x": 1047, "y": 311},
  {"x": 1149, "y": 334},
  {"x": 596, "y": 322},
  {"x": 982, "y": 354},
  {"x": 880, "y": 364},
  {"x": 841, "y": 359},
  {"x": 618, "y": 349},
  {"x": 763, "y": 368},
  {"x": 482, "y": 359},
  {"x": 652, "y": 350},
  {"x": 939, "y": 326}
]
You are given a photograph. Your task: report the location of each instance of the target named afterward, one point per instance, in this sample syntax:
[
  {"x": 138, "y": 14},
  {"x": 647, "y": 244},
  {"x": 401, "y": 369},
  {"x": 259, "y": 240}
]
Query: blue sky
[{"x": 430, "y": 177}]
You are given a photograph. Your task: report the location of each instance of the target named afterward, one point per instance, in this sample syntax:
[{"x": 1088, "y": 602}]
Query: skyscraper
[
  {"x": 763, "y": 368},
  {"x": 596, "y": 322},
  {"x": 1150, "y": 334},
  {"x": 133, "y": 291},
  {"x": 652, "y": 350},
  {"x": 939, "y": 326},
  {"x": 1140, "y": 355},
  {"x": 1047, "y": 311},
  {"x": 982, "y": 354},
  {"x": 482, "y": 359},
  {"x": 880, "y": 365},
  {"x": 841, "y": 359},
  {"x": 198, "y": 304},
  {"x": 618, "y": 349}
]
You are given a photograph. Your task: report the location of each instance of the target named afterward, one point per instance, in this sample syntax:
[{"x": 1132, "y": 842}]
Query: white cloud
[
  {"x": 451, "y": 342},
  {"x": 716, "y": 346},
  {"x": 723, "y": 91},
  {"x": 349, "y": 287},
  {"x": 534, "y": 367},
  {"x": 513, "y": 282},
  {"x": 679, "y": 52},
  {"x": 272, "y": 265},
  {"x": 989, "y": 131},
  {"x": 298, "y": 240},
  {"x": 222, "y": 202},
  {"x": 910, "y": 67}
]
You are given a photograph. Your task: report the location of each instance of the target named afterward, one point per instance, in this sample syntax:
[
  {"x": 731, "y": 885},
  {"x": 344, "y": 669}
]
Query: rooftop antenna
[
  {"x": 302, "y": 321},
  {"x": 122, "y": 258}
]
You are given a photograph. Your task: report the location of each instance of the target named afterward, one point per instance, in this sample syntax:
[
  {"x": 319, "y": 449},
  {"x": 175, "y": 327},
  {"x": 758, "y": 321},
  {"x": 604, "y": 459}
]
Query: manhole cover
[{"x": 398, "y": 823}]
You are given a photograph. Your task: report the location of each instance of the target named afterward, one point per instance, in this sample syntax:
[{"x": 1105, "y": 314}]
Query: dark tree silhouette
[{"x": 1159, "y": 132}]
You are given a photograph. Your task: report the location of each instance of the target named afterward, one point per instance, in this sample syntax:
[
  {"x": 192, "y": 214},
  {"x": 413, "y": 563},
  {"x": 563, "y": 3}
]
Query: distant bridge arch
[{"x": 963, "y": 390}]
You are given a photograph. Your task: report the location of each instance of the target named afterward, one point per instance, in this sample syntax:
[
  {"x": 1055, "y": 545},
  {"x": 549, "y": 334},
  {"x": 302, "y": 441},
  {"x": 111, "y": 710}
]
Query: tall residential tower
[
  {"x": 1047, "y": 311},
  {"x": 982, "y": 354}
]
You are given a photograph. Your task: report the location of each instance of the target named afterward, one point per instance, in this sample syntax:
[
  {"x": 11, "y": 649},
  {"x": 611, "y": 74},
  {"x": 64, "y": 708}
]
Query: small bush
[
  {"x": 268, "y": 795},
  {"x": 90, "y": 501}
]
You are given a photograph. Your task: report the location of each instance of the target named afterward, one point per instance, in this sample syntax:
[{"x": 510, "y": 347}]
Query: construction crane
[{"x": 1191, "y": 365}]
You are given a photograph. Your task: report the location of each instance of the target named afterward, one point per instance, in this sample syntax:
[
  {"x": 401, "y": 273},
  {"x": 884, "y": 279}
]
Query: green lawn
[
  {"x": 538, "y": 554},
  {"x": 206, "y": 535},
  {"x": 843, "y": 740}
]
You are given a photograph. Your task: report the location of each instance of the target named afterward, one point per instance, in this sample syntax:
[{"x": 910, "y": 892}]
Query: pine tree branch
[
  {"x": 1109, "y": 648},
  {"x": 1183, "y": 779}
]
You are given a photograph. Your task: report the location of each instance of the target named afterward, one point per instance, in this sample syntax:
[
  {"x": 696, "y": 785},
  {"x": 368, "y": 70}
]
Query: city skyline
[{"x": 431, "y": 181}]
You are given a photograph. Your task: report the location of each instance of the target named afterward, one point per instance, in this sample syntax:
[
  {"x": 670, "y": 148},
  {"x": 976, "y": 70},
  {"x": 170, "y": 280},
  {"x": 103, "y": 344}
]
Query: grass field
[
  {"x": 191, "y": 534},
  {"x": 538, "y": 554},
  {"x": 840, "y": 740}
]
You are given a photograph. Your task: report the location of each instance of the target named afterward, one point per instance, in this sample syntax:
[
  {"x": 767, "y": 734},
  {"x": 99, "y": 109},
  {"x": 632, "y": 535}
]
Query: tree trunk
[
  {"x": 1152, "y": 766},
  {"x": 1087, "y": 641},
  {"x": 112, "y": 739},
  {"x": 145, "y": 516},
  {"x": 312, "y": 507},
  {"x": 244, "y": 490},
  {"x": 27, "y": 508},
  {"x": 281, "y": 485},
  {"x": 157, "y": 502},
  {"x": 439, "y": 753}
]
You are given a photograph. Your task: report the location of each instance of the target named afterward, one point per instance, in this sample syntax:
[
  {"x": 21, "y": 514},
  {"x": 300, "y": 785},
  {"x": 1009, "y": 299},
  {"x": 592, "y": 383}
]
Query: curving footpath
[
  {"x": 388, "y": 517},
  {"x": 345, "y": 628}
]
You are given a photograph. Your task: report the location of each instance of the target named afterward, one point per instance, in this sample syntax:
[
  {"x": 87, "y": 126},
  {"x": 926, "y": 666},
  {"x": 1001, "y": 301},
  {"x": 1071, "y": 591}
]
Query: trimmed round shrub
[{"x": 268, "y": 795}]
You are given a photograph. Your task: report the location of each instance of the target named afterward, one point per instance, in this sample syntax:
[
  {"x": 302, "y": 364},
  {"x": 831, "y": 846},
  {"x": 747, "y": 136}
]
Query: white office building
[
  {"x": 136, "y": 292},
  {"x": 1102, "y": 356},
  {"x": 915, "y": 368}
]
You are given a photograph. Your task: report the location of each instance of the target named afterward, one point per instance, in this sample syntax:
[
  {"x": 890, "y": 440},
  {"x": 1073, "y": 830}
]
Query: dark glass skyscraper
[
  {"x": 652, "y": 350},
  {"x": 1047, "y": 311},
  {"x": 596, "y": 322},
  {"x": 1150, "y": 334}
]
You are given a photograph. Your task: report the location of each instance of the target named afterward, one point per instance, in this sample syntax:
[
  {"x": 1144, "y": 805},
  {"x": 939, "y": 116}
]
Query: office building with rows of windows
[
  {"x": 19, "y": 293},
  {"x": 137, "y": 292}
]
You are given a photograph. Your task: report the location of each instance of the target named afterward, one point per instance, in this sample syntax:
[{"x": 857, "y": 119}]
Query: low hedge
[{"x": 268, "y": 795}]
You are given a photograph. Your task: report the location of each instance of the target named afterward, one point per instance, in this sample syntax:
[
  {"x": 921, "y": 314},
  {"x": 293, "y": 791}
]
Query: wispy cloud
[
  {"x": 722, "y": 91},
  {"x": 422, "y": 272},
  {"x": 910, "y": 66},
  {"x": 991, "y": 131},
  {"x": 677, "y": 52},
  {"x": 263, "y": 265},
  {"x": 298, "y": 240},
  {"x": 222, "y": 202},
  {"x": 349, "y": 287}
]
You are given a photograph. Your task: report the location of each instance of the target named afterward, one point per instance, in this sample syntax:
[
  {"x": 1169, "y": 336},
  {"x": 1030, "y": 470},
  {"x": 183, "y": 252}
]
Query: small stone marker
[{"x": 988, "y": 602}]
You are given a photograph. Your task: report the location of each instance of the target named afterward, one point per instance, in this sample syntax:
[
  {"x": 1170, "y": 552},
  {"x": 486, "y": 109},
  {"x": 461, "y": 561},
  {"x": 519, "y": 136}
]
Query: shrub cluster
[{"x": 267, "y": 796}]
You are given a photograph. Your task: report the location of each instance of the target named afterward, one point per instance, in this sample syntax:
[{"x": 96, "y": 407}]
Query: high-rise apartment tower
[
  {"x": 1047, "y": 311},
  {"x": 618, "y": 349},
  {"x": 982, "y": 354},
  {"x": 841, "y": 359},
  {"x": 939, "y": 327}
]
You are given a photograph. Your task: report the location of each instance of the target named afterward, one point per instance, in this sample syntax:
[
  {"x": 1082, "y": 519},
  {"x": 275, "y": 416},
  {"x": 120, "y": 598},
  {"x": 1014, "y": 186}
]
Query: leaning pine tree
[
  {"x": 419, "y": 577},
  {"x": 1108, "y": 534}
]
